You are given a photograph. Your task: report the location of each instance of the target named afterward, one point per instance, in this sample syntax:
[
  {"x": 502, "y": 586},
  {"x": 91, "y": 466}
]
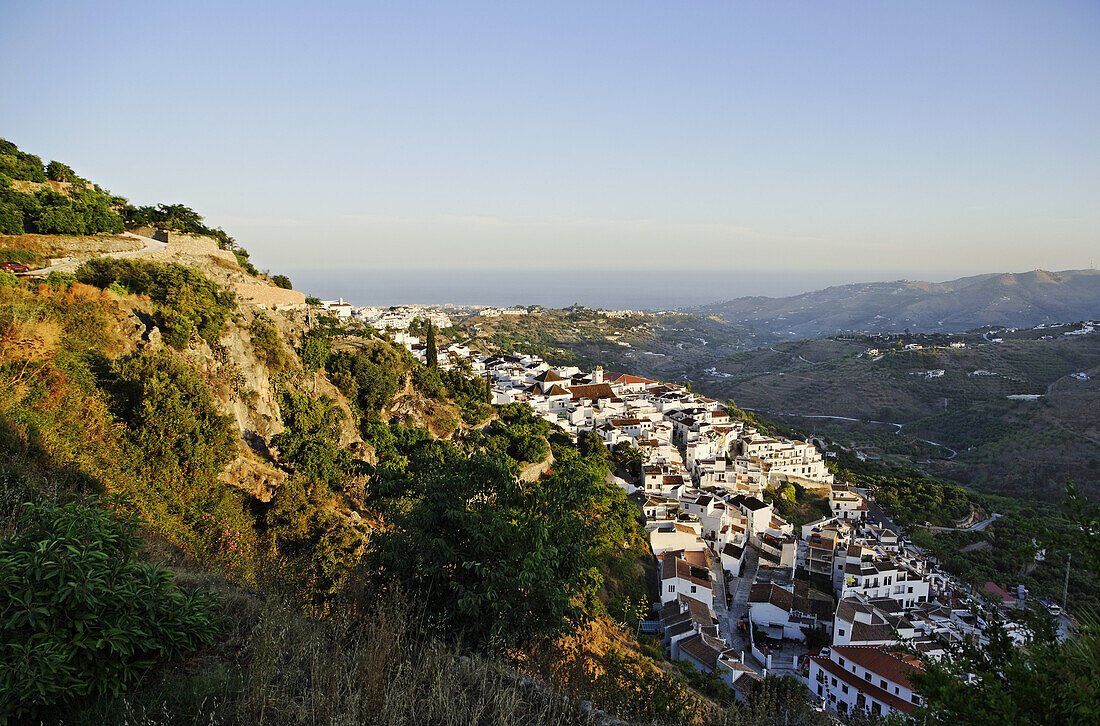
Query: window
[
  {"x": 896, "y": 691},
  {"x": 693, "y": 588},
  {"x": 844, "y": 688},
  {"x": 840, "y": 661},
  {"x": 882, "y": 683},
  {"x": 910, "y": 590},
  {"x": 672, "y": 588},
  {"x": 834, "y": 680},
  {"x": 867, "y": 675},
  {"x": 841, "y": 631}
]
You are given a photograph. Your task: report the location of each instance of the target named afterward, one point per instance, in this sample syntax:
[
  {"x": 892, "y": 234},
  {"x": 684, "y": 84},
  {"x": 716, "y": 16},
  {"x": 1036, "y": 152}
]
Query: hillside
[
  {"x": 815, "y": 383},
  {"x": 308, "y": 484},
  {"x": 1008, "y": 300}
]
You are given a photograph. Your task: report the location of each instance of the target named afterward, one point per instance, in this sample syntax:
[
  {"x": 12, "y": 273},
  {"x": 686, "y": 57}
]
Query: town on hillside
[{"x": 844, "y": 603}]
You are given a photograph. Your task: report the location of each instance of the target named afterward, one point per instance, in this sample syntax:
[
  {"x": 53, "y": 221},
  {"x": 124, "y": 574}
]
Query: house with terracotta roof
[
  {"x": 785, "y": 614},
  {"x": 679, "y": 577},
  {"x": 1000, "y": 595},
  {"x": 702, "y": 651},
  {"x": 853, "y": 678},
  {"x": 548, "y": 379},
  {"x": 591, "y": 392},
  {"x": 738, "y": 676},
  {"x": 684, "y": 617}
]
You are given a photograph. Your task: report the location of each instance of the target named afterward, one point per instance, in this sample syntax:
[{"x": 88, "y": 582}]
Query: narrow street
[{"x": 728, "y": 617}]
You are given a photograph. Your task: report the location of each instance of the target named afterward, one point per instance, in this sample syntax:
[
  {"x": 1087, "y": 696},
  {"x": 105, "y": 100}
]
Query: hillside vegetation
[{"x": 309, "y": 501}]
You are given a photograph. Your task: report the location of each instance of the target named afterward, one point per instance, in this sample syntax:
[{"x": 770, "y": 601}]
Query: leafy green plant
[
  {"x": 314, "y": 350},
  {"x": 170, "y": 414},
  {"x": 310, "y": 439},
  {"x": 187, "y": 301},
  {"x": 83, "y": 615},
  {"x": 267, "y": 343}
]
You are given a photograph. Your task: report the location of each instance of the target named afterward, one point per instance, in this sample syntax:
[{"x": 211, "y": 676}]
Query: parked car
[{"x": 14, "y": 267}]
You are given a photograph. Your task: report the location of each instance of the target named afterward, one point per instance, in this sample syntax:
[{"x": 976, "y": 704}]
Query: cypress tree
[{"x": 432, "y": 353}]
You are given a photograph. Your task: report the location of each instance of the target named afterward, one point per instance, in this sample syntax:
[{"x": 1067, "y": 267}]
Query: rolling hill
[{"x": 1010, "y": 299}]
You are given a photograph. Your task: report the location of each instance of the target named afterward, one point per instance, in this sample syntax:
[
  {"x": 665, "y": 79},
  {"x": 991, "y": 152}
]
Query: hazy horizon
[
  {"x": 637, "y": 289},
  {"x": 939, "y": 136}
]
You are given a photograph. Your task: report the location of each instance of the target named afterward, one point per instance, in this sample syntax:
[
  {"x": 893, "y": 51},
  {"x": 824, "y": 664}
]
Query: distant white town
[{"x": 742, "y": 590}]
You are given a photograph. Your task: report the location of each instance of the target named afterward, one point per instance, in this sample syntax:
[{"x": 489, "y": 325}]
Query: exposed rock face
[{"x": 240, "y": 381}]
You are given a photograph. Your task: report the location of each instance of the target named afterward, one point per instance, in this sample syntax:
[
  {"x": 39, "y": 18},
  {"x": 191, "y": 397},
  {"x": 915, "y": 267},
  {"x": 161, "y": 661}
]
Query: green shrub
[
  {"x": 267, "y": 343},
  {"x": 243, "y": 261},
  {"x": 426, "y": 381},
  {"x": 7, "y": 279},
  {"x": 83, "y": 616},
  {"x": 282, "y": 281},
  {"x": 187, "y": 301},
  {"x": 170, "y": 414},
  {"x": 310, "y": 439},
  {"x": 314, "y": 350},
  {"x": 370, "y": 377}
]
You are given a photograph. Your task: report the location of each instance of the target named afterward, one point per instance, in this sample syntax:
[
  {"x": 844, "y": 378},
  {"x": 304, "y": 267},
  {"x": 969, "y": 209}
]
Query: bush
[
  {"x": 282, "y": 281},
  {"x": 370, "y": 377},
  {"x": 187, "y": 301},
  {"x": 310, "y": 439},
  {"x": 83, "y": 616},
  {"x": 314, "y": 350},
  {"x": 170, "y": 414},
  {"x": 243, "y": 261},
  {"x": 266, "y": 342}
]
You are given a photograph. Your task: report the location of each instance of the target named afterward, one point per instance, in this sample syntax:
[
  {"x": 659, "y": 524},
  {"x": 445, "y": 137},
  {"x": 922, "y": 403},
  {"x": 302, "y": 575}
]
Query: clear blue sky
[{"x": 924, "y": 137}]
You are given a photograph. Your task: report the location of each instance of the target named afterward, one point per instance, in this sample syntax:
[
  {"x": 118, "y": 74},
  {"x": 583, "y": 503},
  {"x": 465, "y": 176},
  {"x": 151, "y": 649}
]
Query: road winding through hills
[{"x": 952, "y": 453}]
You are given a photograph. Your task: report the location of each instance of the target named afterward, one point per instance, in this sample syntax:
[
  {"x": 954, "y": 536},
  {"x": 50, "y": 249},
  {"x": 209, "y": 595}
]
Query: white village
[{"x": 845, "y": 604}]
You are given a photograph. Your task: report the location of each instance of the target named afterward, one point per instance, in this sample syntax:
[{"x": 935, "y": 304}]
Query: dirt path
[{"x": 151, "y": 246}]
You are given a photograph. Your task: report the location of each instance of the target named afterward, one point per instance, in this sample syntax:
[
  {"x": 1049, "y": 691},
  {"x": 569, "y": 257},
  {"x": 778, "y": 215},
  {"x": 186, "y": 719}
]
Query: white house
[
  {"x": 851, "y": 678},
  {"x": 678, "y": 577},
  {"x": 845, "y": 503}
]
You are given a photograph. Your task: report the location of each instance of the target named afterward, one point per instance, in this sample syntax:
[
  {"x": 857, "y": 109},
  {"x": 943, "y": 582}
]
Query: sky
[{"x": 861, "y": 139}]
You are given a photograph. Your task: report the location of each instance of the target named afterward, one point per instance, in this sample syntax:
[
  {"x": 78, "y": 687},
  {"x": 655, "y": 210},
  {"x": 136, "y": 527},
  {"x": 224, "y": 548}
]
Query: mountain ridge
[{"x": 1014, "y": 299}]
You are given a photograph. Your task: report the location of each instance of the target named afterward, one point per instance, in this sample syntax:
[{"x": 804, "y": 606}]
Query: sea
[{"x": 556, "y": 288}]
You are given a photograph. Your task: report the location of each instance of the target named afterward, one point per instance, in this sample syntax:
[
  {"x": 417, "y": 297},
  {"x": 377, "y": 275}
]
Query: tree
[
  {"x": 310, "y": 439},
  {"x": 432, "y": 351},
  {"x": 495, "y": 558},
  {"x": 589, "y": 443},
  {"x": 56, "y": 171},
  {"x": 314, "y": 350},
  {"x": 171, "y": 415},
  {"x": 282, "y": 281},
  {"x": 1046, "y": 681}
]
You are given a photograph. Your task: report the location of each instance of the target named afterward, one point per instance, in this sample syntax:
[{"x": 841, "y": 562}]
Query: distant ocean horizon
[{"x": 597, "y": 288}]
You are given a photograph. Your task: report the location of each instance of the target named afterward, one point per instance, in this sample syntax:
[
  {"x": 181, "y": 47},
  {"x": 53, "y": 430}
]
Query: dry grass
[{"x": 383, "y": 669}]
